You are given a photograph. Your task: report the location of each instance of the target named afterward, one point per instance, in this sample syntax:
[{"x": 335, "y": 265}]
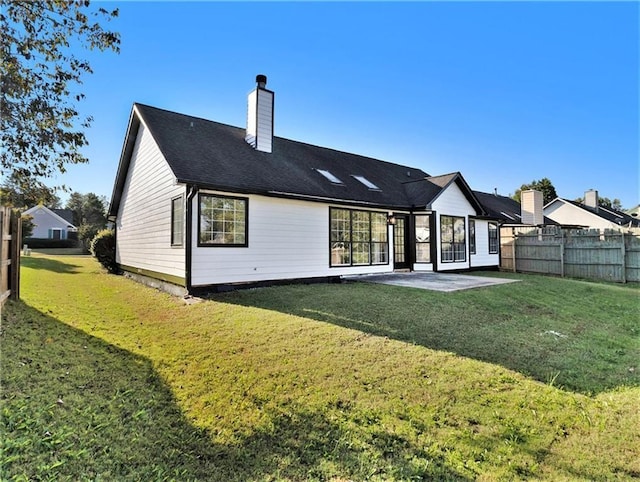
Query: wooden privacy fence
[
  {"x": 593, "y": 254},
  {"x": 10, "y": 229}
]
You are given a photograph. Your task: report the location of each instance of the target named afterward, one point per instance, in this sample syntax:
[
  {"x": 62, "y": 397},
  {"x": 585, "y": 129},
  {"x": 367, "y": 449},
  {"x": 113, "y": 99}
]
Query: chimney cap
[{"x": 261, "y": 80}]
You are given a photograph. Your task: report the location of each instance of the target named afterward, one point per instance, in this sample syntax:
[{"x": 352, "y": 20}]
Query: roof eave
[
  {"x": 293, "y": 195},
  {"x": 123, "y": 164}
]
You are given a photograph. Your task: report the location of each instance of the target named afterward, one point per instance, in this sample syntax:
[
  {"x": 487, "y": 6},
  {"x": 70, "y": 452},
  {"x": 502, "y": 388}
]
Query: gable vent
[{"x": 260, "y": 116}]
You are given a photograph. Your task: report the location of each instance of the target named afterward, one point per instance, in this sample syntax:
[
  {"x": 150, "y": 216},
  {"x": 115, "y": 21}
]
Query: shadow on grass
[
  {"x": 76, "y": 407},
  {"x": 49, "y": 264},
  {"x": 506, "y": 325}
]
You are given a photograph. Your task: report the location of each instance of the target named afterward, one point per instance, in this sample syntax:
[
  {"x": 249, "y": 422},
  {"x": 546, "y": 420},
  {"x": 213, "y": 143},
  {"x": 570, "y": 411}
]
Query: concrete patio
[{"x": 431, "y": 281}]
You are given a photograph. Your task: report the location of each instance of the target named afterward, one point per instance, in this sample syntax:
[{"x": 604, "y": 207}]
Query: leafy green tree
[
  {"x": 27, "y": 227},
  {"x": 89, "y": 214},
  {"x": 544, "y": 185},
  {"x": 41, "y": 128},
  {"x": 13, "y": 193}
]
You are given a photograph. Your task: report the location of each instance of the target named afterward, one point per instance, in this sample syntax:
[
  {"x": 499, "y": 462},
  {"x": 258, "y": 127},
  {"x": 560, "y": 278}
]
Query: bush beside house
[{"x": 103, "y": 247}]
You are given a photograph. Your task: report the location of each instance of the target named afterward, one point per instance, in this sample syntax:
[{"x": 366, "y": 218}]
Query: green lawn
[{"x": 105, "y": 379}]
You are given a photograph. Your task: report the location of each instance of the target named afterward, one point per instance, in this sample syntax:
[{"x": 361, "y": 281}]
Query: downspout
[{"x": 191, "y": 194}]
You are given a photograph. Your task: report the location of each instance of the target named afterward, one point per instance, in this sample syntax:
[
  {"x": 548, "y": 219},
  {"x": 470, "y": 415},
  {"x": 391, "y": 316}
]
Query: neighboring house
[
  {"x": 588, "y": 214},
  {"x": 51, "y": 223},
  {"x": 198, "y": 203},
  {"x": 634, "y": 212}
]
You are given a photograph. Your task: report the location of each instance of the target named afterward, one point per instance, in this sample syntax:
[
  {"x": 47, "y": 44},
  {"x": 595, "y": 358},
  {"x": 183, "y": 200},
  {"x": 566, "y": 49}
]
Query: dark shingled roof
[
  {"x": 212, "y": 155},
  {"x": 612, "y": 215},
  {"x": 66, "y": 214},
  {"x": 501, "y": 207},
  {"x": 216, "y": 156}
]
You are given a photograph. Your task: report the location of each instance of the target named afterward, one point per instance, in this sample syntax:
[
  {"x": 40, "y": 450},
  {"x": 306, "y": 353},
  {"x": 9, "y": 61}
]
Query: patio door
[{"x": 401, "y": 242}]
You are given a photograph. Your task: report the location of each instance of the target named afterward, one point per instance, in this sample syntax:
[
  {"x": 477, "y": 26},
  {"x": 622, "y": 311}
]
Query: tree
[
  {"x": 27, "y": 227},
  {"x": 89, "y": 214},
  {"x": 12, "y": 193},
  {"x": 544, "y": 185},
  {"x": 42, "y": 130},
  {"x": 605, "y": 202}
]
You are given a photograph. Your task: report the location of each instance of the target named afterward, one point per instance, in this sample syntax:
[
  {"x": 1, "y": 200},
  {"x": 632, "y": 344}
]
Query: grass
[
  {"x": 582, "y": 336},
  {"x": 105, "y": 379}
]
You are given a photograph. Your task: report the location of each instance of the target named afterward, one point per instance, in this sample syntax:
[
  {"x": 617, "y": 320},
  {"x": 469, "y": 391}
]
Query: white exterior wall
[
  {"x": 482, "y": 256},
  {"x": 566, "y": 213},
  {"x": 452, "y": 202},
  {"x": 44, "y": 221},
  {"x": 288, "y": 239},
  {"x": 143, "y": 237}
]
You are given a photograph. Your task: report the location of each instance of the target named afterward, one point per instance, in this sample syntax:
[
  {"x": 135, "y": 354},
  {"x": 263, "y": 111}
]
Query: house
[
  {"x": 634, "y": 211},
  {"x": 51, "y": 223},
  {"x": 201, "y": 204},
  {"x": 588, "y": 214}
]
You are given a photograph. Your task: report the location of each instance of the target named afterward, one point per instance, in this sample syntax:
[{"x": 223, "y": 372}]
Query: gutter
[{"x": 191, "y": 194}]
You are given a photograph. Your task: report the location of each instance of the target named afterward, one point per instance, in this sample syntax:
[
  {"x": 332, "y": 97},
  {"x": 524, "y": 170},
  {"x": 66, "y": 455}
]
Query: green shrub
[
  {"x": 45, "y": 243},
  {"x": 103, "y": 247}
]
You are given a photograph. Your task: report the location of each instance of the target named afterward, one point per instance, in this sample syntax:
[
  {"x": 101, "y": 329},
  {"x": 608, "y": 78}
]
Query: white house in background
[
  {"x": 588, "y": 214},
  {"x": 51, "y": 223},
  {"x": 202, "y": 204}
]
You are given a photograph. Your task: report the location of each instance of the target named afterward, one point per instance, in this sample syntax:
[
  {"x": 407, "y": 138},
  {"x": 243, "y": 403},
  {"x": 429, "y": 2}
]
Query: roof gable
[
  {"x": 56, "y": 217},
  {"x": 423, "y": 192}
]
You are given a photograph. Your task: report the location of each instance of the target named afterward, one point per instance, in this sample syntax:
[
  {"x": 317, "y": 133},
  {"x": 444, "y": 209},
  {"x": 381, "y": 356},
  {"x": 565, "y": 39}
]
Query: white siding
[
  {"x": 566, "y": 213},
  {"x": 288, "y": 239},
  {"x": 144, "y": 217},
  {"x": 452, "y": 202},
  {"x": 482, "y": 256}
]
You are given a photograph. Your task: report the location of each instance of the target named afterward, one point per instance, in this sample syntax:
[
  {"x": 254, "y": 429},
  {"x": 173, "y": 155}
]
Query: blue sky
[{"x": 504, "y": 92}]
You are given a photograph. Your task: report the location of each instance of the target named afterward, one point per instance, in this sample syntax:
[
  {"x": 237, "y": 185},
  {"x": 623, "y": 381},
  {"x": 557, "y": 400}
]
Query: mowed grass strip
[{"x": 106, "y": 379}]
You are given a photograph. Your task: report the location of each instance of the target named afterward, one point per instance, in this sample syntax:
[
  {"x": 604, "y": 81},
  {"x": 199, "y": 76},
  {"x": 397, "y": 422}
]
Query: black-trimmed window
[
  {"x": 493, "y": 238},
  {"x": 358, "y": 238},
  {"x": 222, "y": 221},
  {"x": 423, "y": 238},
  {"x": 452, "y": 239},
  {"x": 177, "y": 221},
  {"x": 472, "y": 236}
]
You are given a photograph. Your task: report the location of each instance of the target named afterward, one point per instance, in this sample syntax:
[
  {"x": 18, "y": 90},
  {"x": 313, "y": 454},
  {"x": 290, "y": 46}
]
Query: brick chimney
[
  {"x": 591, "y": 199},
  {"x": 260, "y": 116},
  {"x": 531, "y": 207}
]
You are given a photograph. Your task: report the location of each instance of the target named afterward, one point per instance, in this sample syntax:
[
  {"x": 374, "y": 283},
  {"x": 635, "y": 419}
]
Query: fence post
[
  {"x": 562, "y": 253},
  {"x": 624, "y": 258},
  {"x": 513, "y": 248},
  {"x": 16, "y": 237}
]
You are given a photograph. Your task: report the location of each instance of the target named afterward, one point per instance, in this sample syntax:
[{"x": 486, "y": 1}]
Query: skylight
[
  {"x": 367, "y": 183},
  {"x": 330, "y": 176}
]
